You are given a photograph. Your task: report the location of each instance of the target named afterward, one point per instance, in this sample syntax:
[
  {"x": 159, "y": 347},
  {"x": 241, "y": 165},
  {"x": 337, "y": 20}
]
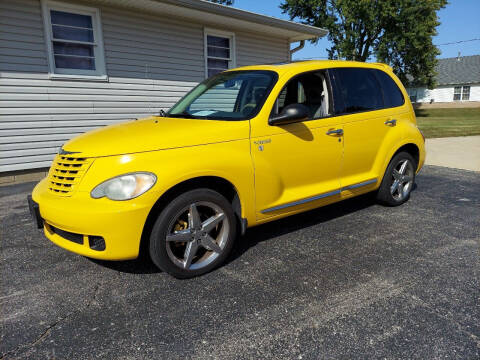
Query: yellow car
[{"x": 245, "y": 147}]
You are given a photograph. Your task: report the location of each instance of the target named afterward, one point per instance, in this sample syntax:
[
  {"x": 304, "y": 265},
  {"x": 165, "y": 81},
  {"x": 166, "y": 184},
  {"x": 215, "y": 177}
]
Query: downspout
[{"x": 299, "y": 47}]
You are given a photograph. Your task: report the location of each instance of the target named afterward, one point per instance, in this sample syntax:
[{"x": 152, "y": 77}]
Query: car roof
[{"x": 307, "y": 65}]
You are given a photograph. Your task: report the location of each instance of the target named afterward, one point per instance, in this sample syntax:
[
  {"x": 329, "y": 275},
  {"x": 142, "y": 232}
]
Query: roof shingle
[{"x": 458, "y": 70}]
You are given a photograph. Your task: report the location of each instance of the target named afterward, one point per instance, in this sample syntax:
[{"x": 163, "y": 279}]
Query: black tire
[
  {"x": 167, "y": 254},
  {"x": 384, "y": 193}
]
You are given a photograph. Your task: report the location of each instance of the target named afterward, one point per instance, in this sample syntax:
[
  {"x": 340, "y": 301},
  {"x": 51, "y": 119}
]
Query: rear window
[
  {"x": 359, "y": 90},
  {"x": 392, "y": 95}
]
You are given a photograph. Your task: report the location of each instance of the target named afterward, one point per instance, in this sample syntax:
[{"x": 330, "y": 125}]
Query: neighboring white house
[
  {"x": 71, "y": 66},
  {"x": 458, "y": 79}
]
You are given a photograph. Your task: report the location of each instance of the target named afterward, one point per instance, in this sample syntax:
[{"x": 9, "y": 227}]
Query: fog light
[{"x": 96, "y": 243}]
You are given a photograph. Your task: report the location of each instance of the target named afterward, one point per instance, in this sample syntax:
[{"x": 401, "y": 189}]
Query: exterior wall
[
  {"x": 151, "y": 62},
  {"x": 443, "y": 93}
]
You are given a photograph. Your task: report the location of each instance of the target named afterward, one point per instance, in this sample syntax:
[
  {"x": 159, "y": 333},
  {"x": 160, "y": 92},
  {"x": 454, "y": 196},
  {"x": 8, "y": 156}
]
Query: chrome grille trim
[{"x": 66, "y": 172}]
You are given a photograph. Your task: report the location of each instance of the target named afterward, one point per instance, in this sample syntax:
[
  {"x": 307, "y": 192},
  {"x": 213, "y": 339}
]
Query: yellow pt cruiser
[{"x": 244, "y": 147}]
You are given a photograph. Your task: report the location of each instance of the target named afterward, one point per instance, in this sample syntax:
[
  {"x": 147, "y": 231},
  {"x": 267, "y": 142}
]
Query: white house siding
[
  {"x": 443, "y": 93},
  {"x": 151, "y": 62}
]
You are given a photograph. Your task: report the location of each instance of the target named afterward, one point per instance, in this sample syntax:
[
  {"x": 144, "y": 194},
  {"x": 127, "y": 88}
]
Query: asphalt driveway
[{"x": 352, "y": 280}]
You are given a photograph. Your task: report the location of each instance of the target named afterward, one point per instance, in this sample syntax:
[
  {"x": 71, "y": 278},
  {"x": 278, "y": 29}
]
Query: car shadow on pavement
[
  {"x": 258, "y": 234},
  {"x": 141, "y": 265},
  {"x": 276, "y": 228}
]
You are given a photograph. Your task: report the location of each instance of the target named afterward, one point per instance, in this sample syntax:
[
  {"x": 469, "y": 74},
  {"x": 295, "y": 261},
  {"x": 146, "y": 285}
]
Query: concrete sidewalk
[{"x": 455, "y": 152}]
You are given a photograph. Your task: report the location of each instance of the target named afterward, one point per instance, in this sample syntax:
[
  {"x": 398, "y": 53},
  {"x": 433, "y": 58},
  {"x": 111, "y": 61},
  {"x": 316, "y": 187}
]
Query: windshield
[{"x": 233, "y": 95}]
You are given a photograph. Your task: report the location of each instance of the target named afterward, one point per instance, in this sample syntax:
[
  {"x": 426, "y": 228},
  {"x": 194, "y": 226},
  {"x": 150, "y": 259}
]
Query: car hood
[{"x": 155, "y": 133}]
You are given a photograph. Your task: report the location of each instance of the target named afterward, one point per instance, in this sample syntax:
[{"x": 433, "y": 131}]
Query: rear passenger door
[{"x": 367, "y": 122}]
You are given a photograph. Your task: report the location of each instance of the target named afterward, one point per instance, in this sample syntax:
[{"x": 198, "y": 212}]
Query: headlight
[{"x": 125, "y": 187}]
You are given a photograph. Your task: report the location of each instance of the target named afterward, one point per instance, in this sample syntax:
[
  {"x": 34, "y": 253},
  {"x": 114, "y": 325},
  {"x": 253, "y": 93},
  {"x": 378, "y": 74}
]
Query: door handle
[
  {"x": 335, "y": 132},
  {"x": 392, "y": 122}
]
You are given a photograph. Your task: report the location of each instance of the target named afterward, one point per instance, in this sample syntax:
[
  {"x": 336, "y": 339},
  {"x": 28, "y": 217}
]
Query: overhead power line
[
  {"x": 449, "y": 43},
  {"x": 458, "y": 42}
]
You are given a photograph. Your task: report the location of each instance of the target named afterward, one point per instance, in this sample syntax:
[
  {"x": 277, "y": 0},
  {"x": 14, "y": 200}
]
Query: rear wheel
[
  {"x": 193, "y": 234},
  {"x": 398, "y": 180}
]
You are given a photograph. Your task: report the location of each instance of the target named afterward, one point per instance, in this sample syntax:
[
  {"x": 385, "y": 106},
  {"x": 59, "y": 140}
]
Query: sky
[{"x": 460, "y": 20}]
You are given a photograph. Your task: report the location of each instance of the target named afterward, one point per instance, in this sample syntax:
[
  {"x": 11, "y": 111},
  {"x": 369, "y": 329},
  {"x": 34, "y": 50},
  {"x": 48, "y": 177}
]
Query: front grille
[{"x": 66, "y": 173}]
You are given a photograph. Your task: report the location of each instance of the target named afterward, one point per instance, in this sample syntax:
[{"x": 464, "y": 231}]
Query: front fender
[{"x": 228, "y": 160}]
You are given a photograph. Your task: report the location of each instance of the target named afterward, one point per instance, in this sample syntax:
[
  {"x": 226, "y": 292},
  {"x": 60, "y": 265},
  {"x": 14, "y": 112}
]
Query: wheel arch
[
  {"x": 216, "y": 183},
  {"x": 410, "y": 148}
]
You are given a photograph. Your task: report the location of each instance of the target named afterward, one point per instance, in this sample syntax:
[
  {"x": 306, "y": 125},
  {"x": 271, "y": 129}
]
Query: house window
[
  {"x": 412, "y": 93},
  {"x": 74, "y": 40},
  {"x": 457, "y": 92},
  {"x": 219, "y": 51},
  {"x": 461, "y": 93},
  {"x": 466, "y": 93}
]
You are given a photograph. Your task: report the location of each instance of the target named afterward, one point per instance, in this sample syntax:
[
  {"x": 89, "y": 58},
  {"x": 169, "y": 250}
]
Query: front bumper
[
  {"x": 35, "y": 212},
  {"x": 78, "y": 223}
]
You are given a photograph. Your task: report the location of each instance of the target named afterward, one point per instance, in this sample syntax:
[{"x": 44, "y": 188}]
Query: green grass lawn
[{"x": 448, "y": 122}]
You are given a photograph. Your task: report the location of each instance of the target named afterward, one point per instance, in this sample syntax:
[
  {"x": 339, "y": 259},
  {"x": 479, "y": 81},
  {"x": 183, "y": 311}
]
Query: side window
[
  {"x": 309, "y": 89},
  {"x": 359, "y": 89},
  {"x": 219, "y": 51},
  {"x": 457, "y": 92},
  {"x": 392, "y": 95},
  {"x": 412, "y": 93},
  {"x": 466, "y": 93},
  {"x": 74, "y": 39}
]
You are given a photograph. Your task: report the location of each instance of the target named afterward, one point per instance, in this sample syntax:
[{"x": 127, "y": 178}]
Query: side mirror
[{"x": 290, "y": 114}]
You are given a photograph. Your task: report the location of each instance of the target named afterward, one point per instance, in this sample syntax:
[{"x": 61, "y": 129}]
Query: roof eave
[
  {"x": 306, "y": 32},
  {"x": 459, "y": 83},
  {"x": 224, "y": 16}
]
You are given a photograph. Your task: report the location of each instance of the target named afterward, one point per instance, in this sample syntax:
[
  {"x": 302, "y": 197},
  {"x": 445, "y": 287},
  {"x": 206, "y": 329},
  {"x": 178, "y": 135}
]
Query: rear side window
[
  {"x": 359, "y": 89},
  {"x": 392, "y": 95}
]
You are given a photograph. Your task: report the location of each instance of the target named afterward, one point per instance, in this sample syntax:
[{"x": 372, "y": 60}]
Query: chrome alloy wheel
[
  {"x": 197, "y": 235},
  {"x": 402, "y": 179}
]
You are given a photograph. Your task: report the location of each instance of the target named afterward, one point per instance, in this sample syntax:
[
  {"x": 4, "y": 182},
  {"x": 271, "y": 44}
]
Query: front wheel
[
  {"x": 398, "y": 180},
  {"x": 193, "y": 234}
]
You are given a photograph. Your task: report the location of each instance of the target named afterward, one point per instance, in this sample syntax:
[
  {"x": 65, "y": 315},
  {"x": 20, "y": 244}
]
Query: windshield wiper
[{"x": 183, "y": 114}]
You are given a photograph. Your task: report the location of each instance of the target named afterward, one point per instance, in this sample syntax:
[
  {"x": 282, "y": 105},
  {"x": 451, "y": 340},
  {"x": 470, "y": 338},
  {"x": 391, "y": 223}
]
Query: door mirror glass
[{"x": 290, "y": 114}]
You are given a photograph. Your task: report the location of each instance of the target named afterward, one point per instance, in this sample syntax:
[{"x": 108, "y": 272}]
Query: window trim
[
  {"x": 232, "y": 62},
  {"x": 100, "y": 73}
]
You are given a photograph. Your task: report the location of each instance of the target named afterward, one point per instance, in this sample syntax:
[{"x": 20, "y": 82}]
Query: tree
[
  {"x": 223, "y": 2},
  {"x": 396, "y": 32}
]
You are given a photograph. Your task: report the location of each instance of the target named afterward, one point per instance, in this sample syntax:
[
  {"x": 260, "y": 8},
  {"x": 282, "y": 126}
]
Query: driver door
[{"x": 297, "y": 166}]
